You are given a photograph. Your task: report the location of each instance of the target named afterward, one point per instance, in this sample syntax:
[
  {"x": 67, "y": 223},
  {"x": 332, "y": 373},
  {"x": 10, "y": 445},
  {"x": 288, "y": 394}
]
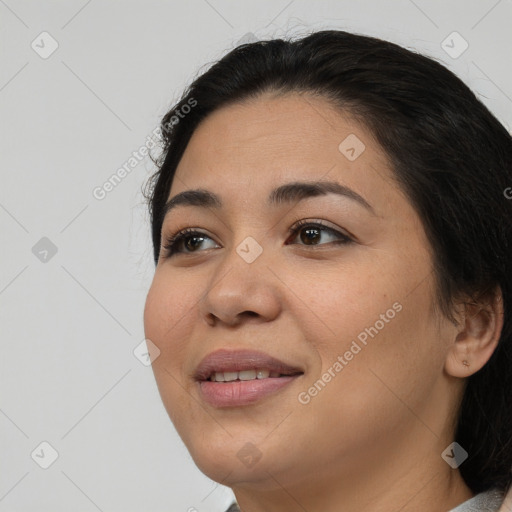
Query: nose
[{"x": 243, "y": 287}]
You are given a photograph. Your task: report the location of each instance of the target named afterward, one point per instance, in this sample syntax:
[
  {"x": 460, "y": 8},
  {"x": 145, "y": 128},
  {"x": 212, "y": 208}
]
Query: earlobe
[{"x": 477, "y": 336}]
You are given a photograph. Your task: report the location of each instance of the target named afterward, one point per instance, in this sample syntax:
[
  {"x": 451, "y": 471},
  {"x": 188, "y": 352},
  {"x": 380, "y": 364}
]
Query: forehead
[{"x": 258, "y": 144}]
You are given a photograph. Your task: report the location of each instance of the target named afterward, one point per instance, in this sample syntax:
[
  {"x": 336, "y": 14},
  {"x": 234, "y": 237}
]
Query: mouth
[
  {"x": 246, "y": 375},
  {"x": 229, "y": 378}
]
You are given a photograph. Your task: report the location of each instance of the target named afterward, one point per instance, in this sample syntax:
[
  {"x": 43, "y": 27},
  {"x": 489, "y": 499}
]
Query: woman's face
[{"x": 346, "y": 307}]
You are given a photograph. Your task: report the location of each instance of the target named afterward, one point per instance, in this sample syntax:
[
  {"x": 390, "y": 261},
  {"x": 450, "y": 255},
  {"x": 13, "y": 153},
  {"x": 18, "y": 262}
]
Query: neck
[
  {"x": 418, "y": 480},
  {"x": 440, "y": 491}
]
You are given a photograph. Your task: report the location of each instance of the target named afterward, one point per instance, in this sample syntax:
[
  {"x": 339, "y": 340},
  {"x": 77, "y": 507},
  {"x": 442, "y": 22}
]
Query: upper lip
[{"x": 238, "y": 360}]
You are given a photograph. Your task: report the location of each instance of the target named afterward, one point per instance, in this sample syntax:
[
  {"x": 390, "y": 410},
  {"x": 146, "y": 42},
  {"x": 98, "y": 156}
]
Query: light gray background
[{"x": 69, "y": 325}]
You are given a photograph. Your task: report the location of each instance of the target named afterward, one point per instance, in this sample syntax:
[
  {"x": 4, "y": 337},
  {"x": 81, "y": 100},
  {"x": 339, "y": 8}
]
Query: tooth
[
  {"x": 247, "y": 375},
  {"x": 243, "y": 375}
]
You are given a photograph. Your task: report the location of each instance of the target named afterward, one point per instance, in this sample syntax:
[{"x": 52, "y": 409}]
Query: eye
[
  {"x": 189, "y": 238},
  {"x": 311, "y": 232}
]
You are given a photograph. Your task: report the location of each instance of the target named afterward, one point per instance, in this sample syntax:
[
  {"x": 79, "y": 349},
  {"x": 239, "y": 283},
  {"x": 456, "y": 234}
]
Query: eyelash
[{"x": 172, "y": 242}]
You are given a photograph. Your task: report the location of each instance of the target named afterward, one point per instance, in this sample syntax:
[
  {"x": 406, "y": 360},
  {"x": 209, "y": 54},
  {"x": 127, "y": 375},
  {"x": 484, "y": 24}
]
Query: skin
[{"x": 372, "y": 438}]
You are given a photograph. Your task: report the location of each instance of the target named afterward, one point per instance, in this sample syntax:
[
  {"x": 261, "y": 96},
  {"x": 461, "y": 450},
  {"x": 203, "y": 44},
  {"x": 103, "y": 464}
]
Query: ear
[{"x": 479, "y": 330}]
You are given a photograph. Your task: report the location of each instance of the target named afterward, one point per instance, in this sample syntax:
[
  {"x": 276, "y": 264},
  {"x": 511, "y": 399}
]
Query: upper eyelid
[
  {"x": 295, "y": 226},
  {"x": 322, "y": 223}
]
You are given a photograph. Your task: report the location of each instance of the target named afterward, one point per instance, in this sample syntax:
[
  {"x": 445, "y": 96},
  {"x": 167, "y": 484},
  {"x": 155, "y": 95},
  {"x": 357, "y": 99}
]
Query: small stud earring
[{"x": 465, "y": 363}]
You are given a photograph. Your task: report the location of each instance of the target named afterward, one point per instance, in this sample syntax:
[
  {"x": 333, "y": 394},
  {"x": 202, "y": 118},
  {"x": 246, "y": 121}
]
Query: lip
[{"x": 238, "y": 393}]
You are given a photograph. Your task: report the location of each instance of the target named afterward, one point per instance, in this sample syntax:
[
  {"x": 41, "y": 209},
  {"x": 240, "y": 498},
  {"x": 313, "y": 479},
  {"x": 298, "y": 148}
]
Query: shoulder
[{"x": 487, "y": 501}]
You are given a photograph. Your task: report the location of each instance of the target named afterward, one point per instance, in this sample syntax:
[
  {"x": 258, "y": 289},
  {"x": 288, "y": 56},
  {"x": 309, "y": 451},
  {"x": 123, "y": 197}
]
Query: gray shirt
[{"x": 488, "y": 501}]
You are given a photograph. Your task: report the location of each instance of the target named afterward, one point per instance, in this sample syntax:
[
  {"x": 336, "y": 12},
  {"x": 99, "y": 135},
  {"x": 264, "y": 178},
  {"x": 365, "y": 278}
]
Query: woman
[{"x": 332, "y": 294}]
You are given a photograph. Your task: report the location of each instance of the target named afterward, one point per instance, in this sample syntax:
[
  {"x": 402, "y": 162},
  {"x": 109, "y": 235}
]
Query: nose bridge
[
  {"x": 243, "y": 260},
  {"x": 249, "y": 249},
  {"x": 242, "y": 283},
  {"x": 247, "y": 235}
]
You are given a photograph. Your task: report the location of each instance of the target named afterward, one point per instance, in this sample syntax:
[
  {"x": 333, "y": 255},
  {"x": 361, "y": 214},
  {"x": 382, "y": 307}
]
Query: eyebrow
[{"x": 284, "y": 194}]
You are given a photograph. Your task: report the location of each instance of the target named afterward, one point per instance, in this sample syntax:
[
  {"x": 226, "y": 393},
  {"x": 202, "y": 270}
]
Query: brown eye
[
  {"x": 311, "y": 234},
  {"x": 192, "y": 242},
  {"x": 184, "y": 242}
]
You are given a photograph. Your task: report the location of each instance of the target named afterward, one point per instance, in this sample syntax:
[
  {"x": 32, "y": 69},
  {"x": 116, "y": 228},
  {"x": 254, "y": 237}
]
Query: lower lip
[{"x": 241, "y": 392}]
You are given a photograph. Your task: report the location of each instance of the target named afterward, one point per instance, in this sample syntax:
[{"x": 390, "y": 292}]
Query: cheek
[
  {"x": 336, "y": 304},
  {"x": 168, "y": 312},
  {"x": 390, "y": 355},
  {"x": 169, "y": 319},
  {"x": 378, "y": 321}
]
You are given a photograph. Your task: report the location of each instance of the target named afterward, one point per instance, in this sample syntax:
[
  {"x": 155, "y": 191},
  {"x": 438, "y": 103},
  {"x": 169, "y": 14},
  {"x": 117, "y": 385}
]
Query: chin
[
  {"x": 226, "y": 467},
  {"x": 227, "y": 460}
]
